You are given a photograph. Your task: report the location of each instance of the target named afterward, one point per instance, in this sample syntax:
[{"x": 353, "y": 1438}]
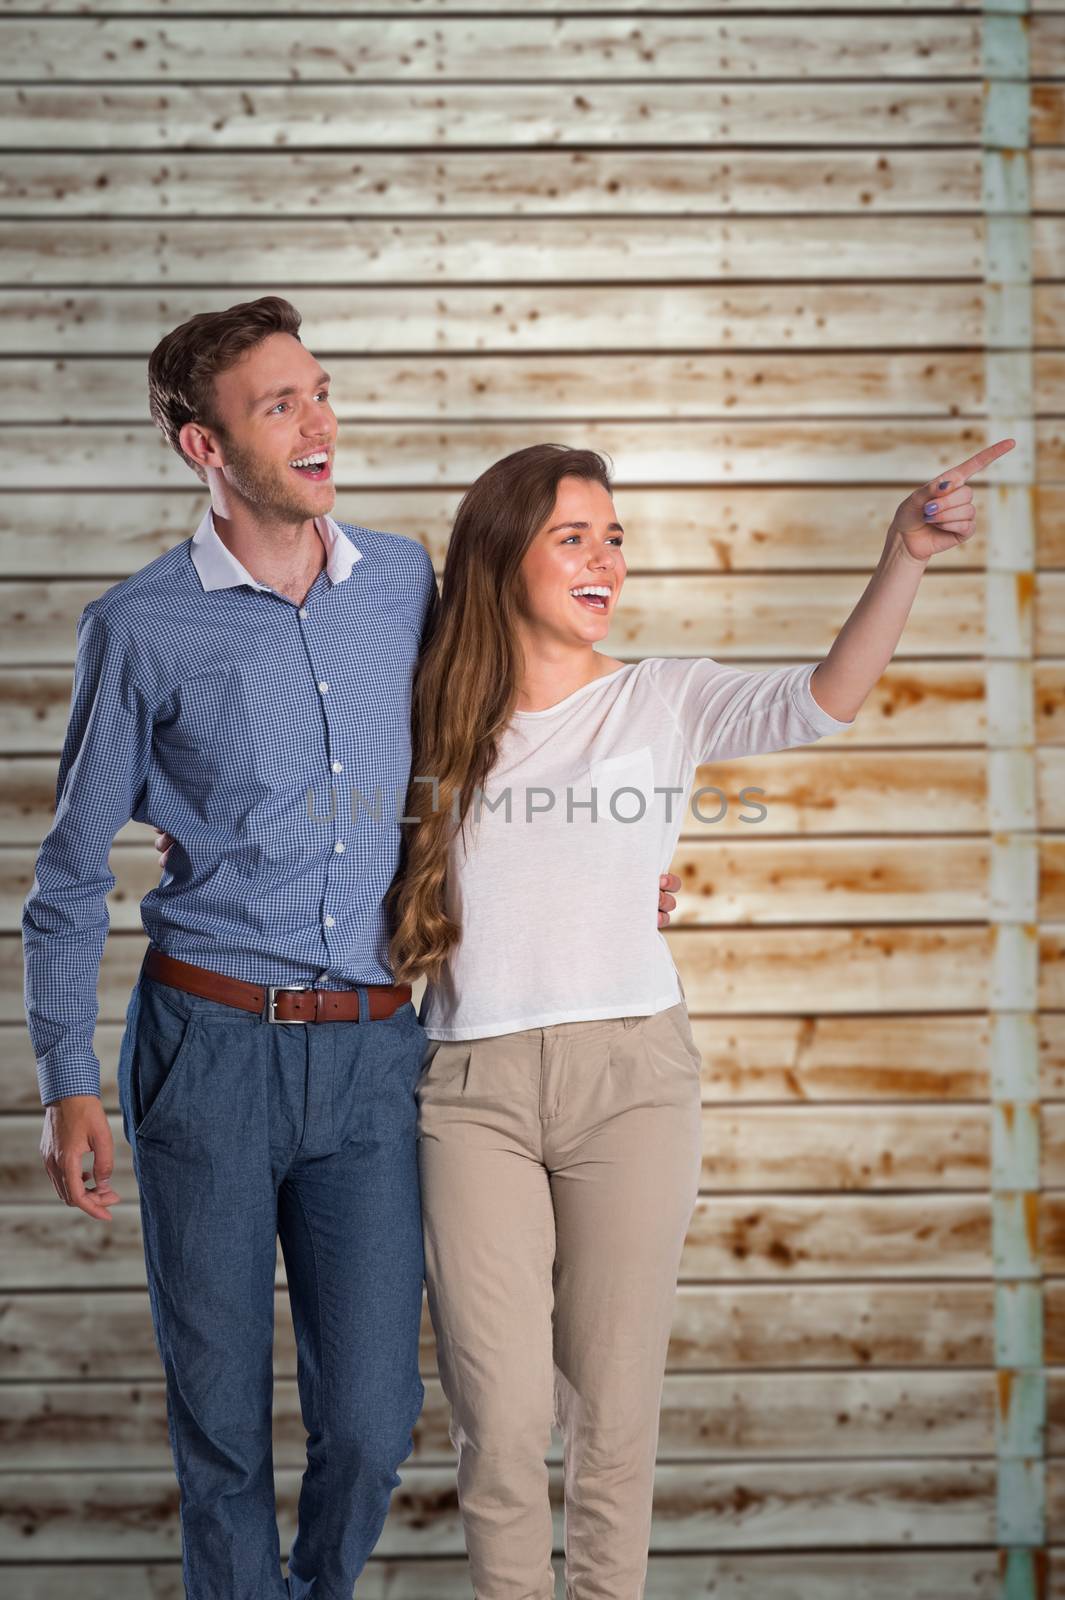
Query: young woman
[{"x": 559, "y": 1100}]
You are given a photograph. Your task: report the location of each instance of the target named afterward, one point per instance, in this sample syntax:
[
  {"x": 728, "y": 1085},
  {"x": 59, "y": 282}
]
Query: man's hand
[
  {"x": 162, "y": 842},
  {"x": 666, "y": 903},
  {"x": 72, "y": 1126}
]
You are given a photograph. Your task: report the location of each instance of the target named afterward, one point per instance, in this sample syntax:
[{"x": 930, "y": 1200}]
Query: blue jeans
[{"x": 242, "y": 1131}]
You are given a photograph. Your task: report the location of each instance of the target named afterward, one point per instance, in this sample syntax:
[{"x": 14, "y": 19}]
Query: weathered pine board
[
  {"x": 107, "y": 1333},
  {"x": 167, "y": 184},
  {"x": 92, "y": 390},
  {"x": 442, "y": 454},
  {"x": 492, "y": 250},
  {"x": 460, "y": 318},
  {"x": 752, "y": 881},
  {"x": 531, "y": 47},
  {"x": 105, "y": 534},
  {"x": 862, "y": 1575},
  {"x": 110, "y": 533},
  {"x": 1050, "y": 787},
  {"x": 772, "y": 617},
  {"x": 435, "y": 8},
  {"x": 810, "y": 791},
  {"x": 898, "y": 967},
  {"x": 749, "y": 1238},
  {"x": 269, "y": 116},
  {"x": 724, "y": 1506},
  {"x": 927, "y": 1575},
  {"x": 822, "y": 1060},
  {"x": 929, "y": 703},
  {"x": 835, "y": 969},
  {"x": 755, "y": 1149},
  {"x": 104, "y": 1426}
]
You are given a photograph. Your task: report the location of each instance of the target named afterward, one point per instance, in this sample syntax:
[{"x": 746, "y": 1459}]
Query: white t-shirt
[{"x": 559, "y": 910}]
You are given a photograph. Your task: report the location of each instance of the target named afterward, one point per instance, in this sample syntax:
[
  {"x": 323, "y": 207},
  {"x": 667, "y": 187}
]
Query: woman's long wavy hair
[{"x": 466, "y": 684}]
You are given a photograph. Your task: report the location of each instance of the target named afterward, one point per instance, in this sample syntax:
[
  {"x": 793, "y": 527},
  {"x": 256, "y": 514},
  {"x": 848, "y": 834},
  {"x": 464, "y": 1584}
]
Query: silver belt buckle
[{"x": 272, "y": 992}]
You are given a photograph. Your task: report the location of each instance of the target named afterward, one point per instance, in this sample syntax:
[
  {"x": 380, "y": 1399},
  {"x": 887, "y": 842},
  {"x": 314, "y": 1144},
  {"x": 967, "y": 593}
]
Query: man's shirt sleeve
[
  {"x": 103, "y": 772},
  {"x": 432, "y": 598}
]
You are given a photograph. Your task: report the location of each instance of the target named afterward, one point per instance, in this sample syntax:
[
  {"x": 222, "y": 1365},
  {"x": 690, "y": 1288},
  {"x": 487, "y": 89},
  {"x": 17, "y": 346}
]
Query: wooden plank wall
[{"x": 758, "y": 257}]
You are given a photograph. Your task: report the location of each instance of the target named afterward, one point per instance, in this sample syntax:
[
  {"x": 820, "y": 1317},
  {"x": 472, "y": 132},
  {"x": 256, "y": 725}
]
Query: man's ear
[{"x": 201, "y": 448}]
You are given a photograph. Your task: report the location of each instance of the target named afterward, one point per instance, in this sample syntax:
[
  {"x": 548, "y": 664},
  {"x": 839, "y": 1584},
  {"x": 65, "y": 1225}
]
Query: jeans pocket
[{"x": 163, "y": 1045}]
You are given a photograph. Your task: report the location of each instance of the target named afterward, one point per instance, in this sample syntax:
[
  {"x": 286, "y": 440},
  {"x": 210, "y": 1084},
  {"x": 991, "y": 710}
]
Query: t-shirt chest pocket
[{"x": 624, "y": 786}]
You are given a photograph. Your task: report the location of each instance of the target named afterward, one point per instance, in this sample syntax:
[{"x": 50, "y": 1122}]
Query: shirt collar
[{"x": 218, "y": 567}]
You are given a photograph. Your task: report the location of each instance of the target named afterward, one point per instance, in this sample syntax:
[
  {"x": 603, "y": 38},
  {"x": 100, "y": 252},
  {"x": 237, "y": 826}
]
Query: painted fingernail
[
  {"x": 931, "y": 508},
  {"x": 944, "y": 484}
]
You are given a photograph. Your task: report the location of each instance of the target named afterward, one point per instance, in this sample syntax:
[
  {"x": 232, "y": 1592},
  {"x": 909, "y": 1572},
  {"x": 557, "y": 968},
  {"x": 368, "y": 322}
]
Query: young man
[{"x": 247, "y": 693}]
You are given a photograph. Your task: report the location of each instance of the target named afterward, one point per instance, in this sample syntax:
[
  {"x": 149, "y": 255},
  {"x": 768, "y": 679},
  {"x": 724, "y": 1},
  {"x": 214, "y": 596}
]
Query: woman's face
[{"x": 579, "y": 547}]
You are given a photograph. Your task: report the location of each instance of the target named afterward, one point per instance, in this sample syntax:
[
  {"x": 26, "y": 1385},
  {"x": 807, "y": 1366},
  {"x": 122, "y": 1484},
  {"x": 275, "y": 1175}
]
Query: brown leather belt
[{"x": 283, "y": 1002}]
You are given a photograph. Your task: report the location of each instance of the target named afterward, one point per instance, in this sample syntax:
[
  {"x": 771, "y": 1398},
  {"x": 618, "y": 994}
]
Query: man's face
[{"x": 273, "y": 410}]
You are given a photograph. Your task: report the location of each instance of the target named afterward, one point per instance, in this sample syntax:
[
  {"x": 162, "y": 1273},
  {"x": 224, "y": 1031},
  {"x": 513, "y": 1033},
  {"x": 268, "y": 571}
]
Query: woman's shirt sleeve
[{"x": 725, "y": 711}]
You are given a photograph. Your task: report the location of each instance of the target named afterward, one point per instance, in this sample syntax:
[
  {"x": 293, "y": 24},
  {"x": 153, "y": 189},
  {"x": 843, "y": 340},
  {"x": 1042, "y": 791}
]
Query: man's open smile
[{"x": 315, "y": 465}]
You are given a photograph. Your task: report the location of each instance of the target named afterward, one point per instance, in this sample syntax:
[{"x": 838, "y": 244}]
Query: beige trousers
[{"x": 559, "y": 1170}]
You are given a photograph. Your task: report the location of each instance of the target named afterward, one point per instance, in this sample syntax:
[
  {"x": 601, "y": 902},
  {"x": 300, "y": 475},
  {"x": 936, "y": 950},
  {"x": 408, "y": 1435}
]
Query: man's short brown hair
[{"x": 183, "y": 366}]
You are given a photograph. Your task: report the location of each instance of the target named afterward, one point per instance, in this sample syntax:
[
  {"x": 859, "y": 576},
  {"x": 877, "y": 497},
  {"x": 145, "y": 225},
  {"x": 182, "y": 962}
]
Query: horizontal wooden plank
[
  {"x": 460, "y": 318},
  {"x": 530, "y": 47},
  {"x": 265, "y": 116},
  {"x": 772, "y": 617},
  {"x": 731, "y": 1238},
  {"x": 752, "y": 881},
  {"x": 1049, "y": 614},
  {"x": 490, "y": 250},
  {"x": 428, "y": 454},
  {"x": 634, "y": 181},
  {"x": 1051, "y": 984},
  {"x": 861, "y": 1575},
  {"x": 91, "y": 390},
  {"x": 703, "y": 1418},
  {"x": 107, "y": 1334},
  {"x": 808, "y": 791},
  {"x": 762, "y": 881},
  {"x": 1050, "y": 787},
  {"x": 737, "y": 971},
  {"x": 186, "y": 184},
  {"x": 892, "y": 968},
  {"x": 730, "y": 972},
  {"x": 756, "y": 1149},
  {"x": 1046, "y": 119},
  {"x": 915, "y": 703},
  {"x": 107, "y": 534},
  {"x": 727, "y": 1506},
  {"x": 436, "y": 8},
  {"x": 1049, "y": 682},
  {"x": 823, "y": 1060}
]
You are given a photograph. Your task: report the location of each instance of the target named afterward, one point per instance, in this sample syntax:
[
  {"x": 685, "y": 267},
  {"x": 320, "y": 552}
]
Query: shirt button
[
  {"x": 330, "y": 922},
  {"x": 303, "y": 611},
  {"x": 323, "y": 687},
  {"x": 339, "y": 846},
  {"x": 338, "y": 766}
]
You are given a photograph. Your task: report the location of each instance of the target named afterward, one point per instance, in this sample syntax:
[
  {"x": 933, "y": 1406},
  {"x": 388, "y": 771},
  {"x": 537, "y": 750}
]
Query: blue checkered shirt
[{"x": 271, "y": 740}]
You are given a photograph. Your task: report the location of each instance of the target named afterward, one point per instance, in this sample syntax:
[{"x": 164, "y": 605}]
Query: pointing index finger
[{"x": 983, "y": 458}]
